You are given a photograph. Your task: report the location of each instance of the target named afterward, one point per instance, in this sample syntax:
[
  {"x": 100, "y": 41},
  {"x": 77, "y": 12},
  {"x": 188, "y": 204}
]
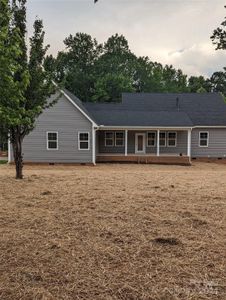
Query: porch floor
[{"x": 170, "y": 159}]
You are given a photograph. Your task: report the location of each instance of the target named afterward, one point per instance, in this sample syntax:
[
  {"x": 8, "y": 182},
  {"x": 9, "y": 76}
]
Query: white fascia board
[
  {"x": 218, "y": 126},
  {"x": 141, "y": 128}
]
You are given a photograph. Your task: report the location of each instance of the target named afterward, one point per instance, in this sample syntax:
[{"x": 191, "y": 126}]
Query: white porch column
[
  {"x": 158, "y": 131},
  {"x": 126, "y": 142},
  {"x": 94, "y": 145},
  {"x": 189, "y": 143}
]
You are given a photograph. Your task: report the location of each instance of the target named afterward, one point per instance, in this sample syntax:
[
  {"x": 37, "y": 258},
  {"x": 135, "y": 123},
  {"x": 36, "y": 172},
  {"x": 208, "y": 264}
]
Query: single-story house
[{"x": 143, "y": 127}]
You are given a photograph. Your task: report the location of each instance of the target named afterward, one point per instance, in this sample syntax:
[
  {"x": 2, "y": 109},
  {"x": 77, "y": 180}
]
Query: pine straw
[{"x": 128, "y": 232}]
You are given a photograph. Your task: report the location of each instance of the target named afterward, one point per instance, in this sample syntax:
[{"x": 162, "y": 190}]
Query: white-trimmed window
[
  {"x": 203, "y": 139},
  {"x": 162, "y": 139},
  {"x": 52, "y": 140},
  {"x": 119, "y": 139},
  {"x": 109, "y": 139},
  {"x": 172, "y": 139},
  {"x": 151, "y": 139},
  {"x": 83, "y": 141}
]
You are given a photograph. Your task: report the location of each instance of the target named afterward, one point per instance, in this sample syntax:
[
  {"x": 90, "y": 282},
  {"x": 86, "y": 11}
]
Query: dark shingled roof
[
  {"x": 164, "y": 110},
  {"x": 142, "y": 118}
]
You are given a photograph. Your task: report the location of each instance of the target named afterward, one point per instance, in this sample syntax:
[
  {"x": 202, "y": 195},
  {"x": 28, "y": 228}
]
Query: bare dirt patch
[{"x": 128, "y": 232}]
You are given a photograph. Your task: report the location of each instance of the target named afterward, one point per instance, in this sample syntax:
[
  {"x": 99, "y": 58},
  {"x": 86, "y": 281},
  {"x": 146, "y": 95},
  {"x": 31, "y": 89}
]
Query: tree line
[{"x": 102, "y": 72}]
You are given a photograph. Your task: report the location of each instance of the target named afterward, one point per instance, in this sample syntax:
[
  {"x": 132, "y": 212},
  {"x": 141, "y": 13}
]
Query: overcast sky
[{"x": 168, "y": 31}]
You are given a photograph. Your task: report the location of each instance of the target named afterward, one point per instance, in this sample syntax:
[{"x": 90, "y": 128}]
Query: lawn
[{"x": 128, "y": 232}]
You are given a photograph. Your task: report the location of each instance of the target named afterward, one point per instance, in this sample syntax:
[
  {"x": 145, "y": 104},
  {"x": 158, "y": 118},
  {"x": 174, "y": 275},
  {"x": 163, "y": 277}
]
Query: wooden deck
[{"x": 144, "y": 159}]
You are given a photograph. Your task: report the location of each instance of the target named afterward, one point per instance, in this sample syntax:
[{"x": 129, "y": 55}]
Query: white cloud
[
  {"x": 168, "y": 31},
  {"x": 199, "y": 59}
]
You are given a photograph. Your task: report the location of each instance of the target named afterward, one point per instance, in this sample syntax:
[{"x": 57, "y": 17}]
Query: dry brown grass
[{"x": 127, "y": 232}]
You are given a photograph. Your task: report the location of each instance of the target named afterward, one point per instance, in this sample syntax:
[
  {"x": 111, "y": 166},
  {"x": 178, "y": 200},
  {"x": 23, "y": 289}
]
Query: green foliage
[
  {"x": 96, "y": 72},
  {"x": 114, "y": 70},
  {"x": 24, "y": 86},
  {"x": 217, "y": 82},
  {"x": 76, "y": 67},
  {"x": 174, "y": 81},
  {"x": 201, "y": 90},
  {"x": 198, "y": 83},
  {"x": 110, "y": 87}
]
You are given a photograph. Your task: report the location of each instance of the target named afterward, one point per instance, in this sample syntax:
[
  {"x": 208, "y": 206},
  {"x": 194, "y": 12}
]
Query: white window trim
[
  {"x": 162, "y": 146},
  {"x": 151, "y": 146},
  {"x": 120, "y": 139},
  {"x": 86, "y": 132},
  {"x": 208, "y": 135},
  {"x": 171, "y": 146},
  {"x": 47, "y": 141},
  {"x": 113, "y": 138}
]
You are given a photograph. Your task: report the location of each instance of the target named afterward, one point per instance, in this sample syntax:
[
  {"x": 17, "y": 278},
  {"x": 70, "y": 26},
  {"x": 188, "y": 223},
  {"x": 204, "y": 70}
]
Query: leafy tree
[
  {"x": 114, "y": 70},
  {"x": 50, "y": 64},
  {"x": 25, "y": 86},
  {"x": 219, "y": 36},
  {"x": 201, "y": 90},
  {"x": 153, "y": 77},
  {"x": 110, "y": 87},
  {"x": 61, "y": 67},
  {"x": 217, "y": 82},
  {"x": 148, "y": 76},
  {"x": 218, "y": 79},
  {"x": 116, "y": 57},
  {"x": 3, "y": 137},
  {"x": 174, "y": 80},
  {"x": 76, "y": 66},
  {"x": 197, "y": 83}
]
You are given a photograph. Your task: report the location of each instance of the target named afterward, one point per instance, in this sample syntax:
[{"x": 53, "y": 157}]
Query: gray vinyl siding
[
  {"x": 180, "y": 148},
  {"x": 68, "y": 121},
  {"x": 182, "y": 137},
  {"x": 107, "y": 149},
  {"x": 217, "y": 143}
]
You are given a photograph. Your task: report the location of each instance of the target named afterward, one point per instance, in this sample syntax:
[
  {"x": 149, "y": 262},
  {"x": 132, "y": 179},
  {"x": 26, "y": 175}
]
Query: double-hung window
[
  {"x": 114, "y": 139},
  {"x": 162, "y": 139},
  {"x": 172, "y": 139},
  {"x": 151, "y": 139},
  {"x": 119, "y": 139},
  {"x": 83, "y": 141},
  {"x": 109, "y": 139},
  {"x": 52, "y": 140},
  {"x": 203, "y": 139}
]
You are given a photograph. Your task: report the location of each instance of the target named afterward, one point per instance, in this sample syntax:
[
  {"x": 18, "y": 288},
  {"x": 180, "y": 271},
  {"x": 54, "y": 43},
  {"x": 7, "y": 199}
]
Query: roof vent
[{"x": 178, "y": 104}]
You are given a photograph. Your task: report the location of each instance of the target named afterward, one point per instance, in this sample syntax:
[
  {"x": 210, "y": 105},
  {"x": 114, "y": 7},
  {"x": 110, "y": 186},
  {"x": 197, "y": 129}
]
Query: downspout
[{"x": 9, "y": 150}]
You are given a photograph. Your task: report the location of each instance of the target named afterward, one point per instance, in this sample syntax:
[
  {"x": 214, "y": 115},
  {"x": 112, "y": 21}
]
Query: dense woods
[{"x": 102, "y": 72}]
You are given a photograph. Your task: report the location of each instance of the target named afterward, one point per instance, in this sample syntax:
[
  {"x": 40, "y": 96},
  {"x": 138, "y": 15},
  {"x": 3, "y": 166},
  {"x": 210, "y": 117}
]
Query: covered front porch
[{"x": 146, "y": 145}]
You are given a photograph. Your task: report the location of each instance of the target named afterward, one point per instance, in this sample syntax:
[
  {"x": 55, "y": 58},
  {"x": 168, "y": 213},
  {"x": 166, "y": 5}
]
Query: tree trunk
[{"x": 18, "y": 156}]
